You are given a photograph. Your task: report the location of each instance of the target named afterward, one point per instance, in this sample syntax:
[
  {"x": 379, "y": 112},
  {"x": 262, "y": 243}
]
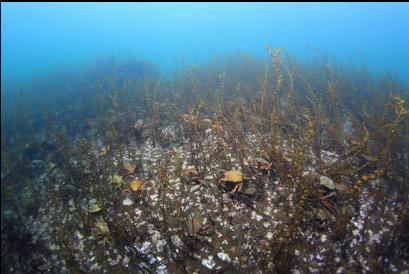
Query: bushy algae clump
[{"x": 238, "y": 165}]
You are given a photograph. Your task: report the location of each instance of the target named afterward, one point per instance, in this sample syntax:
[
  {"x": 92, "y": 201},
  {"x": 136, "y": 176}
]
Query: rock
[
  {"x": 223, "y": 256},
  {"x": 177, "y": 241},
  {"x": 70, "y": 188},
  {"x": 368, "y": 158},
  {"x": 327, "y": 182},
  {"x": 348, "y": 210},
  {"x": 36, "y": 162},
  {"x": 169, "y": 134},
  {"x": 139, "y": 124},
  {"x": 51, "y": 165},
  {"x": 157, "y": 241},
  {"x": 342, "y": 188},
  {"x": 209, "y": 263},
  {"x": 321, "y": 216},
  {"x": 250, "y": 190},
  {"x": 195, "y": 224},
  {"x": 194, "y": 188}
]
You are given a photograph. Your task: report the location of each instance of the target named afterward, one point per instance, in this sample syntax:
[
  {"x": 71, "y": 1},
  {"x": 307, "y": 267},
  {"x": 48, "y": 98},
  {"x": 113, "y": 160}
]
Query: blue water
[{"x": 39, "y": 37}]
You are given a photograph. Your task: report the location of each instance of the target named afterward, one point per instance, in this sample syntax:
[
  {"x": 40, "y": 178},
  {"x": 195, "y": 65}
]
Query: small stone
[
  {"x": 342, "y": 187},
  {"x": 223, "y": 256},
  {"x": 138, "y": 124},
  {"x": 269, "y": 235},
  {"x": 138, "y": 212},
  {"x": 195, "y": 224},
  {"x": 321, "y": 215},
  {"x": 209, "y": 262},
  {"x": 177, "y": 241},
  {"x": 78, "y": 235},
  {"x": 51, "y": 165},
  {"x": 36, "y": 162},
  {"x": 127, "y": 202},
  {"x": 194, "y": 188},
  {"x": 250, "y": 190}
]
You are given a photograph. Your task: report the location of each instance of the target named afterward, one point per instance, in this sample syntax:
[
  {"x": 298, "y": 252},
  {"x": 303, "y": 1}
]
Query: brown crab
[
  {"x": 262, "y": 164},
  {"x": 129, "y": 168},
  {"x": 101, "y": 231},
  {"x": 236, "y": 177},
  {"x": 198, "y": 226},
  {"x": 135, "y": 186}
]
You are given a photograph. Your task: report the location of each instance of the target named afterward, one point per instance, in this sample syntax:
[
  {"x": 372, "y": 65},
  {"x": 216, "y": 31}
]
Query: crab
[
  {"x": 191, "y": 175},
  {"x": 104, "y": 150},
  {"x": 135, "y": 186},
  {"x": 101, "y": 231},
  {"x": 116, "y": 180},
  {"x": 200, "y": 226},
  {"x": 129, "y": 168},
  {"x": 236, "y": 177},
  {"x": 262, "y": 164},
  {"x": 93, "y": 206},
  {"x": 326, "y": 199}
]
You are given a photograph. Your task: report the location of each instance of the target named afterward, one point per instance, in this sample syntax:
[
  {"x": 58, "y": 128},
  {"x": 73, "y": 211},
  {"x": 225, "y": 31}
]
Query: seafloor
[{"x": 211, "y": 185}]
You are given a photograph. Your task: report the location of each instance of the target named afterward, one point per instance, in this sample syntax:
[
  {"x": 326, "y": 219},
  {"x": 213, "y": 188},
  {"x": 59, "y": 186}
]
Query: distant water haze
[{"x": 39, "y": 37}]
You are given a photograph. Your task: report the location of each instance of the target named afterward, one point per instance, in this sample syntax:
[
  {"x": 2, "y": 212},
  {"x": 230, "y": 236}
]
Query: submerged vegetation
[{"x": 238, "y": 165}]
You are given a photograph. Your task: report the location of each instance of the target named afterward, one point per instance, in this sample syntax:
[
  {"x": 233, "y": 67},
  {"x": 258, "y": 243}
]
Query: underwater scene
[{"x": 204, "y": 138}]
